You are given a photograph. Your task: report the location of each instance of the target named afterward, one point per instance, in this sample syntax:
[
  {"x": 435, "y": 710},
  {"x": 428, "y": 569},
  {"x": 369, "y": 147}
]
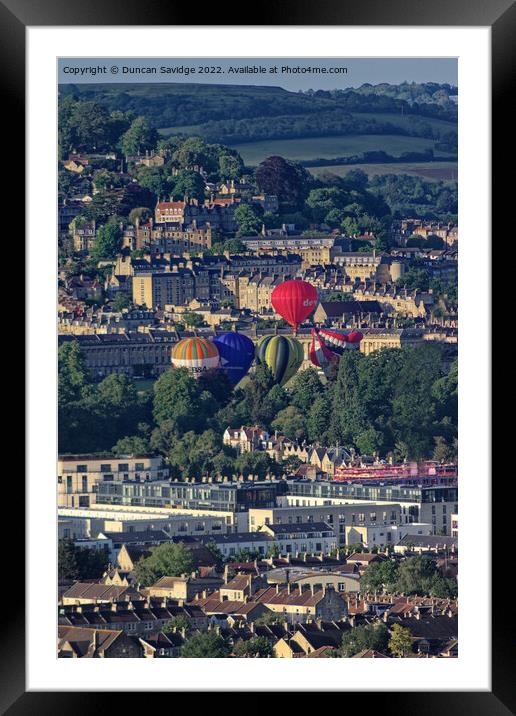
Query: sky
[{"x": 359, "y": 71}]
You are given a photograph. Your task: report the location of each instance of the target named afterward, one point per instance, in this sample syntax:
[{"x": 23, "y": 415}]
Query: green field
[
  {"x": 408, "y": 120},
  {"x": 435, "y": 171},
  {"x": 144, "y": 384},
  {"x": 330, "y": 147}
]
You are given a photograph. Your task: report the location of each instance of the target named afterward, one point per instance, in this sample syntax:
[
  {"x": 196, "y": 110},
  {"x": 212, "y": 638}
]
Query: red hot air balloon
[{"x": 294, "y": 301}]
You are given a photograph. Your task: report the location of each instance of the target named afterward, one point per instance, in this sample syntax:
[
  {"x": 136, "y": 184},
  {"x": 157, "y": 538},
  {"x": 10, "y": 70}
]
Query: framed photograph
[{"x": 244, "y": 356}]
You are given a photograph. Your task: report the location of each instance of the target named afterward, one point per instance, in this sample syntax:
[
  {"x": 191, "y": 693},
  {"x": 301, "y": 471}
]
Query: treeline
[
  {"x": 378, "y": 157},
  {"x": 413, "y": 196},
  {"x": 335, "y": 123},
  {"x": 415, "y": 575},
  {"x": 399, "y": 402},
  {"x": 419, "y": 96}
]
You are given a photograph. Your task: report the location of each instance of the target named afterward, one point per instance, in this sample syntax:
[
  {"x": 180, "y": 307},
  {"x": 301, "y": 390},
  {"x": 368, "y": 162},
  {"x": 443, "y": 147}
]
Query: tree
[
  {"x": 230, "y": 166},
  {"x": 72, "y": 373},
  {"x": 370, "y": 636},
  {"x": 117, "y": 390},
  {"x": 156, "y": 179},
  {"x": 139, "y": 138},
  {"x": 165, "y": 560},
  {"x": 268, "y": 618},
  {"x": 133, "y": 445},
  {"x": 87, "y": 127},
  {"x": 207, "y": 645},
  {"x": 291, "y": 464},
  {"x": 349, "y": 417},
  {"x": 189, "y": 183},
  {"x": 178, "y": 400},
  {"x": 287, "y": 180},
  {"x": 121, "y": 301},
  {"x": 256, "y": 463},
  {"x": 400, "y": 643},
  {"x": 67, "y": 562},
  {"x": 380, "y": 576},
  {"x": 194, "y": 320},
  {"x": 369, "y": 441},
  {"x": 80, "y": 563},
  {"x": 176, "y": 623},
  {"x": 256, "y": 646},
  {"x": 318, "y": 419},
  {"x": 140, "y": 213},
  {"x": 217, "y": 554},
  {"x": 108, "y": 242},
  {"x": 248, "y": 221},
  {"x": 193, "y": 152},
  {"x": 290, "y": 422},
  {"x": 304, "y": 389}
]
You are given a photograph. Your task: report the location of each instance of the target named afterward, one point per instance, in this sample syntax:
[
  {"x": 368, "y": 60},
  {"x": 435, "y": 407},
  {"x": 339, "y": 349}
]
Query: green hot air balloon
[{"x": 283, "y": 355}]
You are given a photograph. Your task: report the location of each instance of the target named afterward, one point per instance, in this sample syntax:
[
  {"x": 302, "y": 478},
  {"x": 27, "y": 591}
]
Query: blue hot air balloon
[{"x": 236, "y": 354}]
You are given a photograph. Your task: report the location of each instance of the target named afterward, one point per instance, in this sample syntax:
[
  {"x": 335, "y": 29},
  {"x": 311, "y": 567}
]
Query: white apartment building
[
  {"x": 78, "y": 475},
  {"x": 89, "y": 522},
  {"x": 379, "y": 517}
]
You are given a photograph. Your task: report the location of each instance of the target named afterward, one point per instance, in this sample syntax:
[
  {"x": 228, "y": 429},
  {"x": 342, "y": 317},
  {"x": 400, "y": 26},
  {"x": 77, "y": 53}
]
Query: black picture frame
[{"x": 15, "y": 16}]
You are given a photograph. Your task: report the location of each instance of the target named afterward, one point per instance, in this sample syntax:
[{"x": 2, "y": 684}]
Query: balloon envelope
[
  {"x": 196, "y": 354},
  {"x": 294, "y": 301},
  {"x": 322, "y": 357},
  {"x": 282, "y": 354},
  {"x": 236, "y": 354}
]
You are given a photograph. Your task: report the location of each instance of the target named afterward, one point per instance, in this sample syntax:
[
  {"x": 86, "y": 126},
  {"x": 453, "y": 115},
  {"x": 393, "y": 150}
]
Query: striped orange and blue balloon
[{"x": 195, "y": 354}]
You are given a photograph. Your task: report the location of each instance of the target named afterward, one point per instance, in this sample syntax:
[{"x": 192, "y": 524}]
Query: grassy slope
[
  {"x": 434, "y": 171},
  {"x": 329, "y": 147}
]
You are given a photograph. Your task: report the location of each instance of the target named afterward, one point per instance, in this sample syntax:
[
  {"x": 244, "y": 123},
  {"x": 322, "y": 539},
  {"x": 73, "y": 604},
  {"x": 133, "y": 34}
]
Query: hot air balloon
[
  {"x": 236, "y": 354},
  {"x": 294, "y": 301},
  {"x": 322, "y": 357},
  {"x": 196, "y": 354},
  {"x": 282, "y": 354},
  {"x": 338, "y": 341}
]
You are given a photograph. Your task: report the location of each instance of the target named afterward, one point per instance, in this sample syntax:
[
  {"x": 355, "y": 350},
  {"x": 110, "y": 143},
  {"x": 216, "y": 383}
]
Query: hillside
[{"x": 240, "y": 113}]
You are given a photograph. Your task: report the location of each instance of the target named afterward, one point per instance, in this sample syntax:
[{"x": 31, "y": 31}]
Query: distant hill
[{"x": 244, "y": 113}]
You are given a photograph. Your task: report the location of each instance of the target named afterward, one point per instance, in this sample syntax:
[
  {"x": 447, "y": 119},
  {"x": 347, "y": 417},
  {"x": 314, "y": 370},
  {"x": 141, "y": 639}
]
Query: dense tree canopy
[
  {"x": 165, "y": 560},
  {"x": 108, "y": 242},
  {"x": 369, "y": 636},
  {"x": 139, "y": 137},
  {"x": 80, "y": 563},
  {"x": 285, "y": 179},
  {"x": 206, "y": 645}
]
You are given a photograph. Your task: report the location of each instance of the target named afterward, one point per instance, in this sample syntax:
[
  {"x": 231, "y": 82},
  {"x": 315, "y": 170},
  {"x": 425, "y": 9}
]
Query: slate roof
[
  {"x": 335, "y": 309},
  {"x": 81, "y": 640},
  {"x": 297, "y": 597},
  {"x": 302, "y": 527},
  {"x": 105, "y": 592},
  {"x": 430, "y": 541}
]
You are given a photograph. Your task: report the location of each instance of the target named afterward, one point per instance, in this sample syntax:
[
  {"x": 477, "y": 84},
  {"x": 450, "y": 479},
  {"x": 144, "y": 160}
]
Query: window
[
  {"x": 105, "y": 468},
  {"x": 82, "y": 468}
]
